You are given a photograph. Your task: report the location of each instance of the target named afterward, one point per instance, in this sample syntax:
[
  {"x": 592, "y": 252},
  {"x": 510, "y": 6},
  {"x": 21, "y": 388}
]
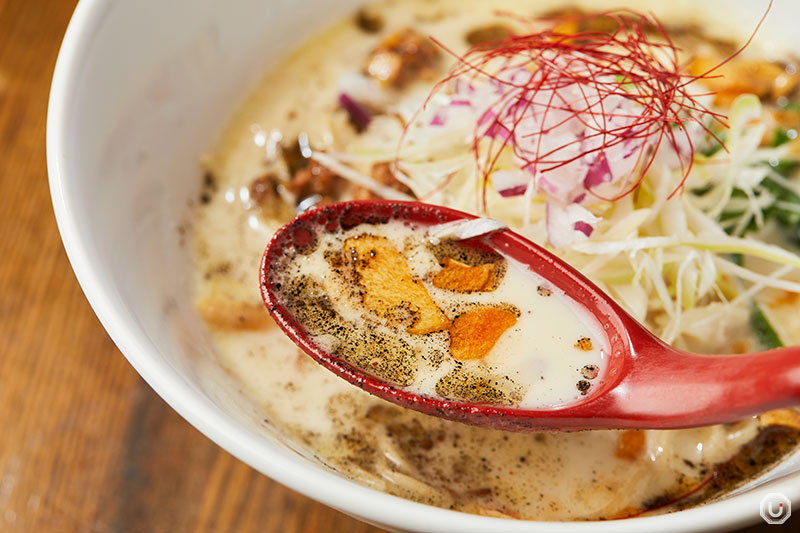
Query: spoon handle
[{"x": 669, "y": 388}]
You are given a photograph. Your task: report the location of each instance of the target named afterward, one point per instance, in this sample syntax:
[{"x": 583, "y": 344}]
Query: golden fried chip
[
  {"x": 386, "y": 278},
  {"x": 781, "y": 417},
  {"x": 457, "y": 276},
  {"x": 475, "y": 332},
  {"x": 585, "y": 344},
  {"x": 630, "y": 444}
]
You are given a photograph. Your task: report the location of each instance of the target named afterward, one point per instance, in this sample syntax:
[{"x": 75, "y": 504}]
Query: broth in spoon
[{"x": 441, "y": 318}]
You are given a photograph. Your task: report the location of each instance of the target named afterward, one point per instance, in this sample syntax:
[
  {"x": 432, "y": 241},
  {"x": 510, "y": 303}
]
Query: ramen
[{"x": 657, "y": 159}]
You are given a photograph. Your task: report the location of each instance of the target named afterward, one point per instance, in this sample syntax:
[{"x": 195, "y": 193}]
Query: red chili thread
[{"x": 626, "y": 62}]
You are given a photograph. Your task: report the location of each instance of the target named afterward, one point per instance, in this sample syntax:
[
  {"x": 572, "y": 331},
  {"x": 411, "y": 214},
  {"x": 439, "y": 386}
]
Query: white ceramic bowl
[{"x": 140, "y": 90}]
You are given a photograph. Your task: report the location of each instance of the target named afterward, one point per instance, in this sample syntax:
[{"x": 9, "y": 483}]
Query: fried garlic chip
[
  {"x": 475, "y": 332},
  {"x": 388, "y": 285},
  {"x": 459, "y": 277}
]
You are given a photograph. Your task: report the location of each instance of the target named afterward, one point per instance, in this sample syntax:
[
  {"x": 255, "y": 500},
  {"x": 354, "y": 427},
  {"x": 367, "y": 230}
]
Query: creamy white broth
[
  {"x": 538, "y": 360},
  {"x": 568, "y": 476}
]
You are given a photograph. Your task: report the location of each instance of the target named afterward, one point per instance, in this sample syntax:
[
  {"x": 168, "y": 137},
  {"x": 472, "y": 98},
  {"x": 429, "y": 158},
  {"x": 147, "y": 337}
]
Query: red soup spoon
[{"x": 647, "y": 384}]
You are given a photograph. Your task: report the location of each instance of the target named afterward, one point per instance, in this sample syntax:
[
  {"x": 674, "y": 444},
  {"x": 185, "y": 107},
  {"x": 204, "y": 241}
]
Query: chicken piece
[
  {"x": 389, "y": 288},
  {"x": 316, "y": 179},
  {"x": 401, "y": 58},
  {"x": 228, "y": 305},
  {"x": 460, "y": 277},
  {"x": 296, "y": 154},
  {"x": 264, "y": 196},
  {"x": 567, "y": 19},
  {"x": 264, "y": 190},
  {"x": 475, "y": 332},
  {"x": 490, "y": 33},
  {"x": 765, "y": 79},
  {"x": 234, "y": 315},
  {"x": 369, "y": 20},
  {"x": 573, "y": 20}
]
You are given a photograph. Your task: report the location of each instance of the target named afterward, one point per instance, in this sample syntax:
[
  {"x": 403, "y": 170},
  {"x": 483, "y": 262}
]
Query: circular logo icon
[{"x": 775, "y": 508}]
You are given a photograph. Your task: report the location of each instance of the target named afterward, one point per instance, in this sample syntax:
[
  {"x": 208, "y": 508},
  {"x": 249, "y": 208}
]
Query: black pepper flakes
[{"x": 544, "y": 291}]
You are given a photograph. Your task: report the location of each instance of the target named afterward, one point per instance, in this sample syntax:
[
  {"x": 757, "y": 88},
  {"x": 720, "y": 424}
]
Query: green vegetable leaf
[
  {"x": 766, "y": 335},
  {"x": 781, "y": 137}
]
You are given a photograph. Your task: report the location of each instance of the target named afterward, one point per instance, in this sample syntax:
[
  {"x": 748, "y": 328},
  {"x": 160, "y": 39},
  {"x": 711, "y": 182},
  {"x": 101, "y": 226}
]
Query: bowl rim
[{"x": 281, "y": 464}]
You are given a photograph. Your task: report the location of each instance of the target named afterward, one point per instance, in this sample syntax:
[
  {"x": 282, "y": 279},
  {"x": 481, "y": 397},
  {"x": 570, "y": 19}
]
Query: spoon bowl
[{"x": 647, "y": 384}]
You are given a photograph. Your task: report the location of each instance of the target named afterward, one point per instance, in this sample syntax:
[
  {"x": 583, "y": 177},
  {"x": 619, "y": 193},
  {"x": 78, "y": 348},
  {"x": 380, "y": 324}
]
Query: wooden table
[{"x": 85, "y": 445}]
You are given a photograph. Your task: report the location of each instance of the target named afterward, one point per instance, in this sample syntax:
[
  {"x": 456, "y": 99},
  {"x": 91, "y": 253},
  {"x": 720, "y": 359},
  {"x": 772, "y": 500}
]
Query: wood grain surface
[{"x": 85, "y": 445}]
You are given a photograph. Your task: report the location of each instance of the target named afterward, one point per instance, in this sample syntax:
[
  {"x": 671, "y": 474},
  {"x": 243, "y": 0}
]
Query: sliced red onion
[
  {"x": 578, "y": 159},
  {"x": 510, "y": 182},
  {"x": 568, "y": 224},
  {"x": 583, "y": 227},
  {"x": 599, "y": 173},
  {"x": 497, "y": 131},
  {"x": 438, "y": 120},
  {"x": 365, "y": 90},
  {"x": 486, "y": 117},
  {"x": 548, "y": 186},
  {"x": 632, "y": 147},
  {"x": 359, "y": 115},
  {"x": 519, "y": 190}
]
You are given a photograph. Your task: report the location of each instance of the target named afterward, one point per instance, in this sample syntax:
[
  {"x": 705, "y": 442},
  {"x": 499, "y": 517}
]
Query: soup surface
[{"x": 710, "y": 269}]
